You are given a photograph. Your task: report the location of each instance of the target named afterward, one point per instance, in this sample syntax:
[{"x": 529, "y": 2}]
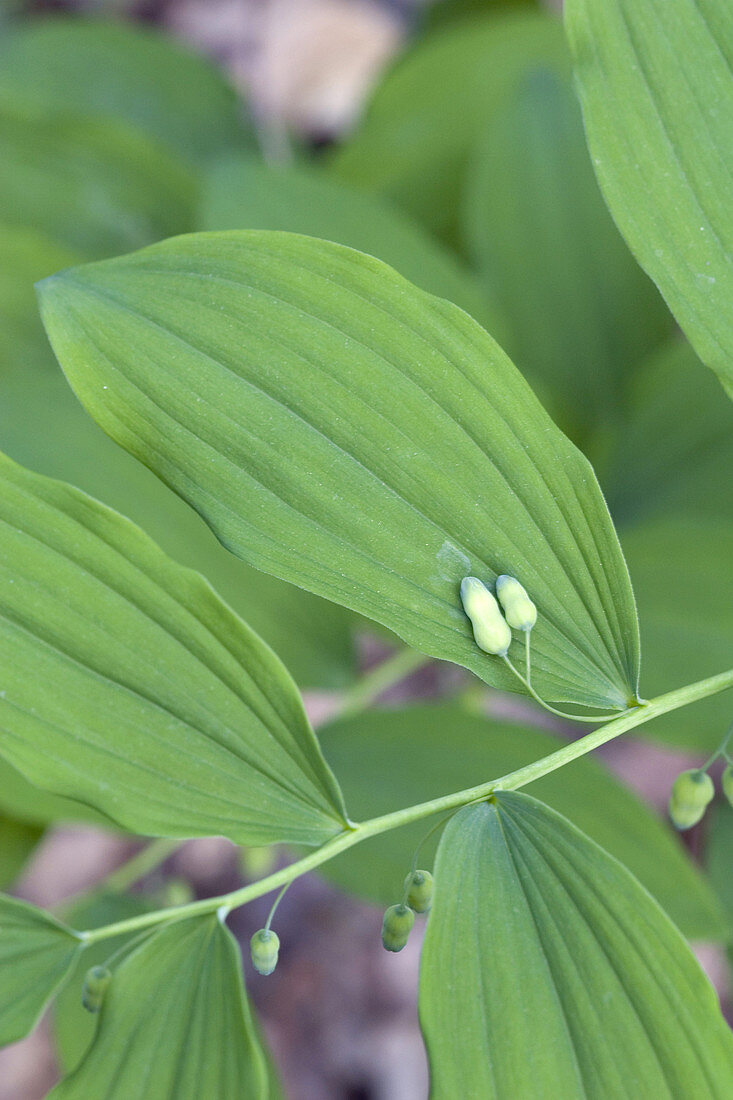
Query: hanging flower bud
[
  {"x": 490, "y": 628},
  {"x": 520, "y": 612},
  {"x": 419, "y": 887},
  {"x": 727, "y": 783},
  {"x": 96, "y": 980},
  {"x": 396, "y": 927},
  {"x": 264, "y": 947},
  {"x": 691, "y": 792}
]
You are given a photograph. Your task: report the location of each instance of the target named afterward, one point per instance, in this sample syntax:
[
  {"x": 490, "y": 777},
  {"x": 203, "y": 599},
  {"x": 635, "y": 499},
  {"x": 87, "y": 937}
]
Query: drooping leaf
[
  {"x": 37, "y": 953},
  {"x": 43, "y": 426},
  {"x": 174, "y": 1022},
  {"x": 245, "y": 193},
  {"x": 95, "y": 187},
  {"x": 683, "y": 584},
  {"x": 73, "y": 1026},
  {"x": 673, "y": 450},
  {"x": 657, "y": 91},
  {"x": 390, "y": 758},
  {"x": 341, "y": 429},
  {"x": 125, "y": 682},
  {"x": 426, "y": 115},
  {"x": 118, "y": 72},
  {"x": 548, "y": 971},
  {"x": 17, "y": 841},
  {"x": 582, "y": 313}
]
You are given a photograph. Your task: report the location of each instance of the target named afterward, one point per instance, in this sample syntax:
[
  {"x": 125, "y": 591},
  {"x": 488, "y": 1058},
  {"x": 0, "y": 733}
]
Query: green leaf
[
  {"x": 32, "y": 806},
  {"x": 673, "y": 450},
  {"x": 17, "y": 841},
  {"x": 43, "y": 426},
  {"x": 96, "y": 187},
  {"x": 548, "y": 971},
  {"x": 244, "y": 193},
  {"x": 719, "y": 856},
  {"x": 341, "y": 429},
  {"x": 174, "y": 1022},
  {"x": 73, "y": 1026},
  {"x": 445, "y": 11},
  {"x": 683, "y": 584},
  {"x": 128, "y": 685},
  {"x": 426, "y": 115},
  {"x": 657, "y": 93},
  {"x": 118, "y": 72},
  {"x": 386, "y": 759},
  {"x": 36, "y": 955},
  {"x": 582, "y": 313}
]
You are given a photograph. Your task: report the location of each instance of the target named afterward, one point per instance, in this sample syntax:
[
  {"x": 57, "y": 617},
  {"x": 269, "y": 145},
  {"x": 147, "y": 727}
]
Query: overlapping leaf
[
  {"x": 36, "y": 955},
  {"x": 17, "y": 841},
  {"x": 390, "y": 758},
  {"x": 174, "y": 1022},
  {"x": 125, "y": 682},
  {"x": 657, "y": 91},
  {"x": 347, "y": 432},
  {"x": 548, "y": 971}
]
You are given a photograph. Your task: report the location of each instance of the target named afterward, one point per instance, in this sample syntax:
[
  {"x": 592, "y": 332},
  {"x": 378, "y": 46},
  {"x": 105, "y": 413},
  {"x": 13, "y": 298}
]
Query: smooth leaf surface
[
  {"x": 719, "y": 857},
  {"x": 548, "y": 971},
  {"x": 95, "y": 187},
  {"x": 673, "y": 449},
  {"x": 582, "y": 313},
  {"x": 245, "y": 193},
  {"x": 32, "y": 806},
  {"x": 156, "y": 704},
  {"x": 391, "y": 758},
  {"x": 43, "y": 426},
  {"x": 683, "y": 584},
  {"x": 657, "y": 91},
  {"x": 17, "y": 841},
  {"x": 425, "y": 116},
  {"x": 343, "y": 430},
  {"x": 174, "y": 1022},
  {"x": 121, "y": 72},
  {"x": 36, "y": 955}
]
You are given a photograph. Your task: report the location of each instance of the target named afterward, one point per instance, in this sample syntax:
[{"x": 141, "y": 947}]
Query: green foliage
[
  {"x": 17, "y": 841},
  {"x": 175, "y": 1022},
  {"x": 390, "y": 758},
  {"x": 36, "y": 955},
  {"x": 117, "y": 72},
  {"x": 657, "y": 94},
  {"x": 166, "y": 712},
  {"x": 376, "y": 426},
  {"x": 533, "y": 922}
]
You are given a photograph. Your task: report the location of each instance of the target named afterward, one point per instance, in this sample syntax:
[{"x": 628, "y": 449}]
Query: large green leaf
[
  {"x": 175, "y": 1022},
  {"x": 43, "y": 426},
  {"x": 244, "y": 193},
  {"x": 427, "y": 113},
  {"x": 582, "y": 312},
  {"x": 36, "y": 955},
  {"x": 548, "y": 971},
  {"x": 342, "y": 429},
  {"x": 386, "y": 759},
  {"x": 657, "y": 91},
  {"x": 128, "y": 685},
  {"x": 32, "y": 806},
  {"x": 683, "y": 581},
  {"x": 117, "y": 72},
  {"x": 673, "y": 450},
  {"x": 96, "y": 187}
]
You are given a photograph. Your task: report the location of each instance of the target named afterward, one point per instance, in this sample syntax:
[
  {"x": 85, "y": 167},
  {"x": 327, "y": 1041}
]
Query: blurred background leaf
[{"x": 17, "y": 841}]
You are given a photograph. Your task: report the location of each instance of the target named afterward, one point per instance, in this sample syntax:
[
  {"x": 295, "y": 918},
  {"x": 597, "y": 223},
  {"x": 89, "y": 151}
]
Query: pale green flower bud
[
  {"x": 691, "y": 792},
  {"x": 727, "y": 783},
  {"x": 96, "y": 980},
  {"x": 396, "y": 927},
  {"x": 519, "y": 611},
  {"x": 264, "y": 947},
  {"x": 490, "y": 628},
  {"x": 419, "y": 887}
]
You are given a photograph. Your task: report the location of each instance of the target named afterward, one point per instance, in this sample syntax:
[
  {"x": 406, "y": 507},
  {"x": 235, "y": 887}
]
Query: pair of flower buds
[
  {"x": 692, "y": 792},
  {"x": 492, "y": 624},
  {"x": 399, "y": 919}
]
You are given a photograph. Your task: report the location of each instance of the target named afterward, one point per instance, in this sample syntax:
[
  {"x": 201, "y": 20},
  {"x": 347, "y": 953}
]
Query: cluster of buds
[
  {"x": 399, "y": 919},
  {"x": 493, "y": 624},
  {"x": 692, "y": 792}
]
